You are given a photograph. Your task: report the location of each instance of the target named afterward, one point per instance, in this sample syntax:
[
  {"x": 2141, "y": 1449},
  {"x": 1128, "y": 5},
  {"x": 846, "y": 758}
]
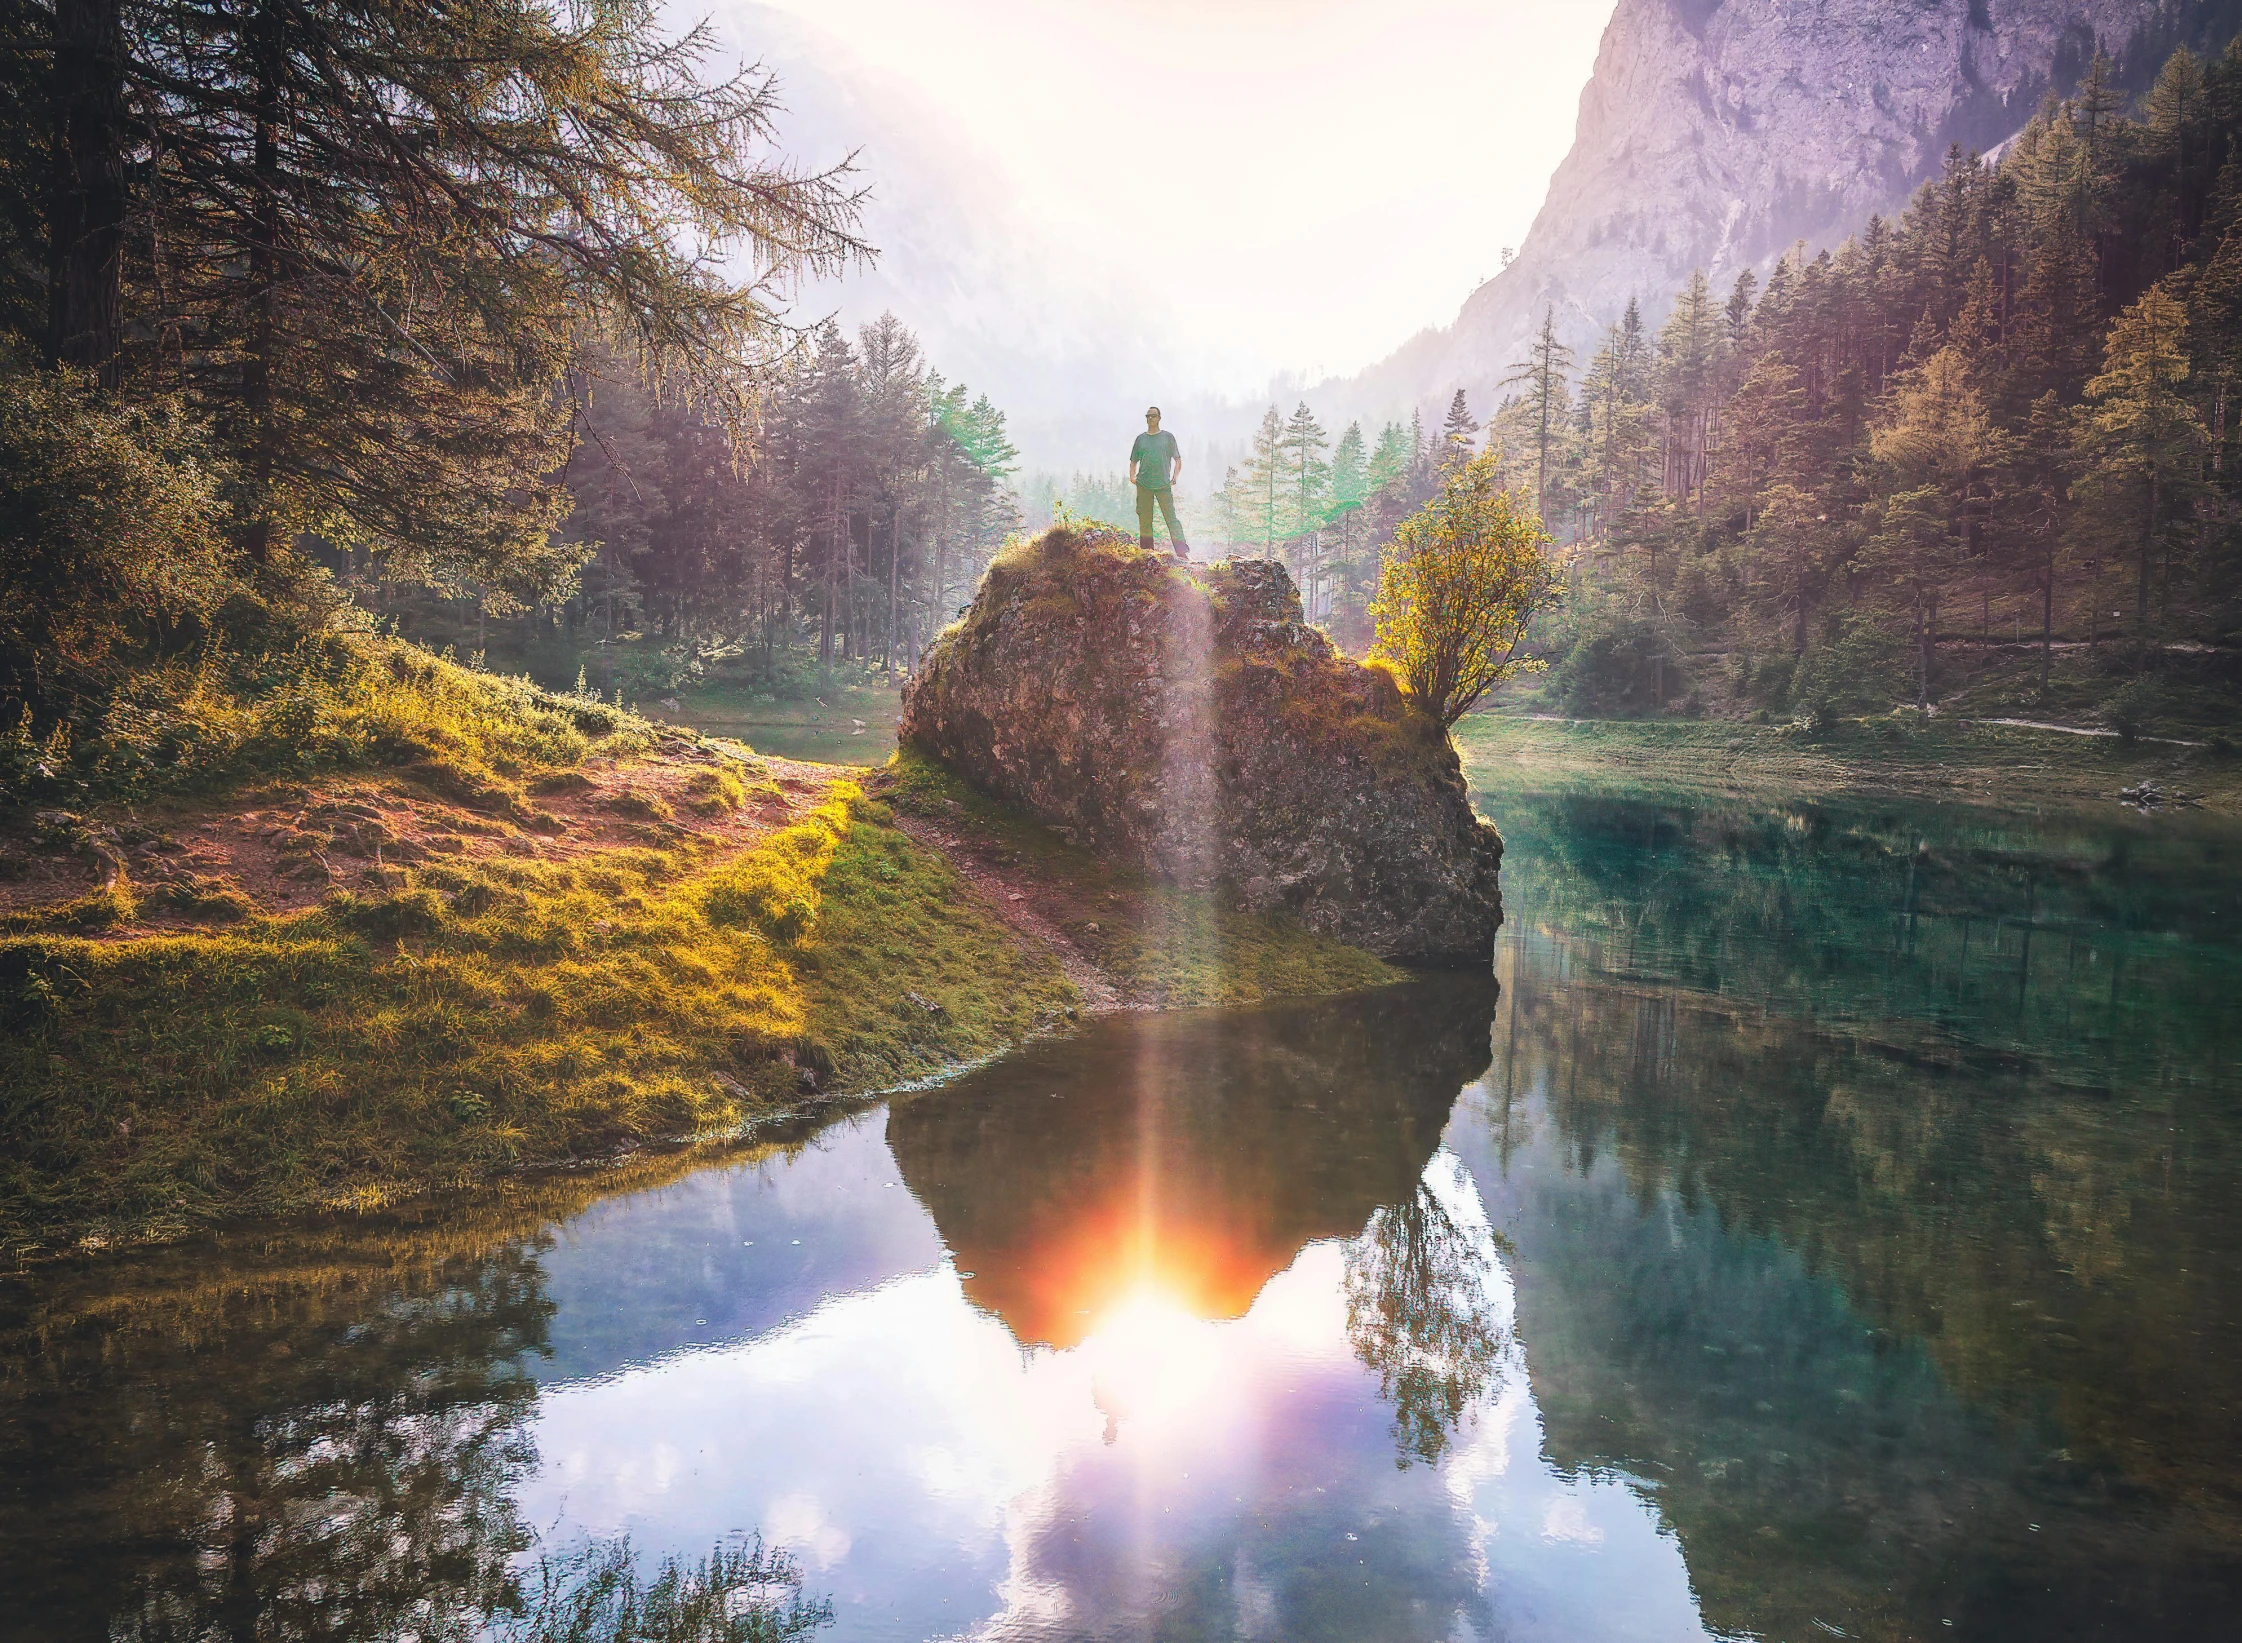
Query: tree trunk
[
  {"x": 86, "y": 188},
  {"x": 1922, "y": 654},
  {"x": 2148, "y": 548},
  {"x": 2047, "y": 621},
  {"x": 264, "y": 275},
  {"x": 1798, "y": 587}
]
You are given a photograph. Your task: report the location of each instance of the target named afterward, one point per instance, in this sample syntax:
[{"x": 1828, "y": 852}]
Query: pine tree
[
  {"x": 1459, "y": 433},
  {"x": 1391, "y": 458},
  {"x": 1935, "y": 446},
  {"x": 2140, "y": 432},
  {"x": 1543, "y": 374},
  {"x": 1350, "y": 471},
  {"x": 1266, "y": 479},
  {"x": 1688, "y": 349},
  {"x": 1307, "y": 474},
  {"x": 371, "y": 242}
]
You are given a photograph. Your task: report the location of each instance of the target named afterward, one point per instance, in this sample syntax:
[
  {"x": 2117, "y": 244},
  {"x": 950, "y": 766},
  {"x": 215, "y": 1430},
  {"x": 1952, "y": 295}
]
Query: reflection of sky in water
[
  {"x": 1233, "y": 1477},
  {"x": 1918, "y": 1322}
]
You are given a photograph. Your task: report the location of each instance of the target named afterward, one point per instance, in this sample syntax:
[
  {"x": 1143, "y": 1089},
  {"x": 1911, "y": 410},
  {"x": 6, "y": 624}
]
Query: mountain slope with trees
[
  {"x": 1716, "y": 134},
  {"x": 1985, "y": 450}
]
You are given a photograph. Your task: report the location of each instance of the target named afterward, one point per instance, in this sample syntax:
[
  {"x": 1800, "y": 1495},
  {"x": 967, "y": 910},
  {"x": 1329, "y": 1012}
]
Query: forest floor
[{"x": 1967, "y": 761}]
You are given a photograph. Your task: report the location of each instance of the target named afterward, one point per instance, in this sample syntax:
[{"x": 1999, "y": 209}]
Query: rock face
[
  {"x": 1195, "y": 727},
  {"x": 1715, "y": 134}
]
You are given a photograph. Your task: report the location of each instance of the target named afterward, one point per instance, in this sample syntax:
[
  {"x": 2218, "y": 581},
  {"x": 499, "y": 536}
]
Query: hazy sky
[{"x": 1308, "y": 181}]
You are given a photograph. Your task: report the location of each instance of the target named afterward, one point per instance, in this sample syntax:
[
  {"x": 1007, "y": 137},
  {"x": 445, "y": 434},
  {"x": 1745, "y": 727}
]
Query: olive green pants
[{"x": 1146, "y": 497}]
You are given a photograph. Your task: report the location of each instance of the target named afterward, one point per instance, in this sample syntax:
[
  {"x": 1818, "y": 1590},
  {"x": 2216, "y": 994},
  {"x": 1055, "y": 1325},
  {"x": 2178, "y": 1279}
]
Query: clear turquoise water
[{"x": 1828, "y": 1227}]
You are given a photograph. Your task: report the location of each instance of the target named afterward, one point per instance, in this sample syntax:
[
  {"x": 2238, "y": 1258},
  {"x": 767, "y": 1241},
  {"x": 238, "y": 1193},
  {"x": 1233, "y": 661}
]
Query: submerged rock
[{"x": 1194, "y": 726}]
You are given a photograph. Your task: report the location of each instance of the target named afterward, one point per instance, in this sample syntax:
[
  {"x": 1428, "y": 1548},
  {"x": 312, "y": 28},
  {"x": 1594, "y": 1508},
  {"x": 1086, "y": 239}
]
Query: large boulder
[{"x": 1191, "y": 724}]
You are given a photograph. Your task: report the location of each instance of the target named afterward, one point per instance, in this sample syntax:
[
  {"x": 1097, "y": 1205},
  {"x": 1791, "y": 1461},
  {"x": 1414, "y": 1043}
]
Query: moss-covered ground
[
  {"x": 508, "y": 932},
  {"x": 1941, "y": 758},
  {"x": 480, "y": 1017}
]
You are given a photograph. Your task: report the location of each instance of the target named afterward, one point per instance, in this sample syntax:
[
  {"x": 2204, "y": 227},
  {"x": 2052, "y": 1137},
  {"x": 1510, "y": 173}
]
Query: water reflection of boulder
[{"x": 1188, "y": 1155}]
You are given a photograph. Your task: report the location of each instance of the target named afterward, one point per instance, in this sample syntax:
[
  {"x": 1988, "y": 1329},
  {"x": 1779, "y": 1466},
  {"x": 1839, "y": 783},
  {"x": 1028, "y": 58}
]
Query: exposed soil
[{"x": 280, "y": 849}]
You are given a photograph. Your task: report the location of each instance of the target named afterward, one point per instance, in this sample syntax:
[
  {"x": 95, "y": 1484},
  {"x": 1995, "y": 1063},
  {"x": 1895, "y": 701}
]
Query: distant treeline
[
  {"x": 859, "y": 518},
  {"x": 2009, "y": 413}
]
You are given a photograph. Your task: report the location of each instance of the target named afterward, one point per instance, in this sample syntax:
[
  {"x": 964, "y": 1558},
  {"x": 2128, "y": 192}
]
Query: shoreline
[
  {"x": 868, "y": 1012},
  {"x": 1978, "y": 762},
  {"x": 484, "y": 1001}
]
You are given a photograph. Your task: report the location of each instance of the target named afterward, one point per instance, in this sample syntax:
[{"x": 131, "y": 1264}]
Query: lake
[{"x": 1826, "y": 1222}]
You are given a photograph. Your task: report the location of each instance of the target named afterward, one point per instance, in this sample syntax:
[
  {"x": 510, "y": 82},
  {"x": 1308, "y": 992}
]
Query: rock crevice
[{"x": 1193, "y": 725}]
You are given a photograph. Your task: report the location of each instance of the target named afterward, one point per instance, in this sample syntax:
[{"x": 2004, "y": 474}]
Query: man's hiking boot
[
  {"x": 1182, "y": 553},
  {"x": 1144, "y": 543}
]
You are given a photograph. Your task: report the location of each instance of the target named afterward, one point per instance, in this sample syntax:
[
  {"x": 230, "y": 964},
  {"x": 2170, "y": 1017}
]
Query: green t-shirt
[{"x": 1154, "y": 455}]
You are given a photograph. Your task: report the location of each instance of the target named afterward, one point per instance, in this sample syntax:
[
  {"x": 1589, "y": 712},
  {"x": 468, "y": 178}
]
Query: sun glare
[{"x": 1150, "y": 1358}]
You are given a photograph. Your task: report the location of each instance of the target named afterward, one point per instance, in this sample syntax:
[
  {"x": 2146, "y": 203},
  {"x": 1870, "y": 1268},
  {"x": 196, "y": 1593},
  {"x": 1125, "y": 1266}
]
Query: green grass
[
  {"x": 1900, "y": 756},
  {"x": 477, "y": 1019},
  {"x": 351, "y": 702}
]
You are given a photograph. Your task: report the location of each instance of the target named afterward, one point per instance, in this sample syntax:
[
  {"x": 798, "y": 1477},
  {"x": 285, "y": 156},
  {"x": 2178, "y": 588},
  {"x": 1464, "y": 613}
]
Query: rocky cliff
[
  {"x": 1714, "y": 134},
  {"x": 1194, "y": 726}
]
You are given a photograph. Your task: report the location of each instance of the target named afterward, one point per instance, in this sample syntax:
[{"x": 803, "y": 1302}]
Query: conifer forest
[{"x": 1984, "y": 450}]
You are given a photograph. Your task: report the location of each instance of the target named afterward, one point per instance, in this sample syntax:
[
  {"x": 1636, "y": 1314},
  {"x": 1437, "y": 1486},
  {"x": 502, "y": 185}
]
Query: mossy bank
[{"x": 401, "y": 973}]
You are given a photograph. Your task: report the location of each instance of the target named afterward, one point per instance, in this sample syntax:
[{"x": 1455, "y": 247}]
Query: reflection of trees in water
[
  {"x": 333, "y": 1455},
  {"x": 1795, "y": 1273},
  {"x": 308, "y": 1470},
  {"x": 747, "y": 1593},
  {"x": 2050, "y": 936},
  {"x": 1422, "y": 1311}
]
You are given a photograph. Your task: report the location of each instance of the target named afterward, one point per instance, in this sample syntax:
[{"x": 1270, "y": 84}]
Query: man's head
[{"x": 1152, "y": 419}]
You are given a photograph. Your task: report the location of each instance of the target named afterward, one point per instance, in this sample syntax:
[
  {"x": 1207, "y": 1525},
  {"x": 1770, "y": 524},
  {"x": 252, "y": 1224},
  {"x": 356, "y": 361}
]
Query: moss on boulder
[{"x": 1190, "y": 723}]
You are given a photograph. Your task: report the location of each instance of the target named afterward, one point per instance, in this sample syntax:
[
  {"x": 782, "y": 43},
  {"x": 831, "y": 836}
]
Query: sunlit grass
[
  {"x": 352, "y": 701},
  {"x": 482, "y": 1017}
]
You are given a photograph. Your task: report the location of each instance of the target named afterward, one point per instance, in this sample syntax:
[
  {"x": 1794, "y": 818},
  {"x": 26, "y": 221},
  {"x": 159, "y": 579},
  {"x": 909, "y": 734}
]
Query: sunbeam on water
[{"x": 1627, "y": 1304}]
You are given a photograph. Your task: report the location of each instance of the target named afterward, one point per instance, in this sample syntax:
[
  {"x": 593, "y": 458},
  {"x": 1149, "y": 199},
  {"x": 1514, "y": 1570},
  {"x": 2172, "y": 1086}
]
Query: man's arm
[{"x": 1175, "y": 474}]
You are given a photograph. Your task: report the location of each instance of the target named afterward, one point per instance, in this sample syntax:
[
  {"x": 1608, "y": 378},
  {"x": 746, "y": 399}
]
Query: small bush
[
  {"x": 738, "y": 1594},
  {"x": 102, "y": 910},
  {"x": 716, "y": 792},
  {"x": 2138, "y": 703},
  {"x": 1629, "y": 668},
  {"x": 638, "y": 805},
  {"x": 111, "y": 544},
  {"x": 212, "y": 901},
  {"x": 414, "y": 912}
]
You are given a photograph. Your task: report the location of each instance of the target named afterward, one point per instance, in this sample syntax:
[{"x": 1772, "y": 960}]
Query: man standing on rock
[{"x": 1155, "y": 464}]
